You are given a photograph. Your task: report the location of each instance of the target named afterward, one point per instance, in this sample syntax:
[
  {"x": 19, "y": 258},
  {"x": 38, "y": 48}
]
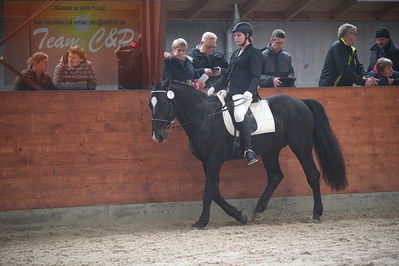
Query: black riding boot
[{"x": 245, "y": 137}]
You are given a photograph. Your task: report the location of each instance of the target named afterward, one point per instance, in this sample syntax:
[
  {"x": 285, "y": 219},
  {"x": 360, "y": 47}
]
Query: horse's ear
[
  {"x": 152, "y": 81},
  {"x": 166, "y": 84}
]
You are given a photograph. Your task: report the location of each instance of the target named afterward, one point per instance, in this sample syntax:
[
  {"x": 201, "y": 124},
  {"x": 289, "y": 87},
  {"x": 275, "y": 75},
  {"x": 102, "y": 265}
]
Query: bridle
[{"x": 171, "y": 119}]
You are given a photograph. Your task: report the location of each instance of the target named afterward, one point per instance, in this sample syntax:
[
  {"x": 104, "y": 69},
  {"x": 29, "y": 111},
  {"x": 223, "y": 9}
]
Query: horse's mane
[
  {"x": 189, "y": 87},
  {"x": 212, "y": 101}
]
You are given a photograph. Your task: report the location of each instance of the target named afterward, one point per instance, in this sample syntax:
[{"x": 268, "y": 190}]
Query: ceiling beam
[
  {"x": 386, "y": 10},
  {"x": 205, "y": 15},
  {"x": 266, "y": 15},
  {"x": 249, "y": 6},
  {"x": 297, "y": 7},
  {"x": 196, "y": 8},
  {"x": 343, "y": 8}
]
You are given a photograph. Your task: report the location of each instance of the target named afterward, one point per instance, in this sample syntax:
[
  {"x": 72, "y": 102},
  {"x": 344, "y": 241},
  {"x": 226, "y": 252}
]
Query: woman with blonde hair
[
  {"x": 177, "y": 65},
  {"x": 74, "y": 71},
  {"x": 37, "y": 66}
]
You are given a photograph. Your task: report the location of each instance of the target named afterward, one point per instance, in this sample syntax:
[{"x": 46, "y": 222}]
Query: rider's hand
[
  {"x": 247, "y": 95},
  {"x": 211, "y": 91}
]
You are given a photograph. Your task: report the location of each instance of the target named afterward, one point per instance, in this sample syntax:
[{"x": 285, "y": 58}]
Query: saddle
[{"x": 259, "y": 116}]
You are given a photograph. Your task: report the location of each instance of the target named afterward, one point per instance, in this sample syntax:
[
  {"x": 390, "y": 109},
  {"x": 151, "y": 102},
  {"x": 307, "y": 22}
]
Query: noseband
[{"x": 170, "y": 120}]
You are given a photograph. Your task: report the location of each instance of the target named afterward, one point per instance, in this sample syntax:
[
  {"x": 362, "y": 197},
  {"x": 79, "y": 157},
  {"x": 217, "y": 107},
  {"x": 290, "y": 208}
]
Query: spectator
[
  {"x": 384, "y": 72},
  {"x": 178, "y": 65},
  {"x": 277, "y": 66},
  {"x": 384, "y": 47},
  {"x": 208, "y": 59},
  {"x": 37, "y": 66},
  {"x": 74, "y": 71},
  {"x": 130, "y": 66},
  {"x": 341, "y": 66}
]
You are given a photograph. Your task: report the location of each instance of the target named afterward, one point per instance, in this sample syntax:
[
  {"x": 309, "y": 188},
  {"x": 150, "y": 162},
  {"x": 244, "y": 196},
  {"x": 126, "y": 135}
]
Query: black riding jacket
[
  {"x": 243, "y": 73},
  {"x": 341, "y": 67}
]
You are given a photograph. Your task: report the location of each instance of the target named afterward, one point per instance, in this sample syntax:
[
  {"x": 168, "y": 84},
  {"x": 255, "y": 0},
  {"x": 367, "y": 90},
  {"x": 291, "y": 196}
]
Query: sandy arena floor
[{"x": 368, "y": 237}]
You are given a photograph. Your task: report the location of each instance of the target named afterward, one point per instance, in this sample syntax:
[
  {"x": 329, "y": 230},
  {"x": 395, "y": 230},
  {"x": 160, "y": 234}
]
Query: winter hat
[{"x": 382, "y": 33}]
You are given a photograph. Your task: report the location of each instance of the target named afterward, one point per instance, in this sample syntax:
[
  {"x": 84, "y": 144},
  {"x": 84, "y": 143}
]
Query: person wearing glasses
[
  {"x": 341, "y": 66},
  {"x": 277, "y": 65},
  {"x": 241, "y": 82},
  {"x": 208, "y": 59}
]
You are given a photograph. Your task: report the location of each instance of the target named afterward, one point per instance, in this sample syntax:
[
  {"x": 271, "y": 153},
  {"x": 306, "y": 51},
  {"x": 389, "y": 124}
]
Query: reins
[{"x": 170, "y": 121}]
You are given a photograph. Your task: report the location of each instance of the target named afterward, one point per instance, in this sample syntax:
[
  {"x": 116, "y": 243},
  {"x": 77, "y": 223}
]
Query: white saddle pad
[{"x": 261, "y": 111}]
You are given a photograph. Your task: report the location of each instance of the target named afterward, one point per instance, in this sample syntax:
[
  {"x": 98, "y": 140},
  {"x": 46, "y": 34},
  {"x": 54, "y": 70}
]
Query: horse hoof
[
  {"x": 244, "y": 218},
  {"x": 315, "y": 220},
  {"x": 198, "y": 226},
  {"x": 257, "y": 216}
]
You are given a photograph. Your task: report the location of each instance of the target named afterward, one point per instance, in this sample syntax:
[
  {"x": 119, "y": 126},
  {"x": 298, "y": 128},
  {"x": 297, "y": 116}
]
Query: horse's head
[{"x": 163, "y": 110}]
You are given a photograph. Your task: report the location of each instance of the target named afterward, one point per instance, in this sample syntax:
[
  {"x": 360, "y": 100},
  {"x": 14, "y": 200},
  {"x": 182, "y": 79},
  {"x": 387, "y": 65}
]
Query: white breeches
[{"x": 240, "y": 107}]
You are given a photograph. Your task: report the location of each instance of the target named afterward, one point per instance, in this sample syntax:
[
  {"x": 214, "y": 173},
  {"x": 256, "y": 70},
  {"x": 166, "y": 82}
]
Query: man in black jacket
[
  {"x": 341, "y": 66},
  {"x": 384, "y": 47},
  {"x": 208, "y": 59},
  {"x": 241, "y": 81},
  {"x": 277, "y": 65}
]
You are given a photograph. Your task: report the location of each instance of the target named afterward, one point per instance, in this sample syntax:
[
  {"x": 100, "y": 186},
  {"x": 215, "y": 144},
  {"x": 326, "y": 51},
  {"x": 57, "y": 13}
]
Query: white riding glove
[
  {"x": 211, "y": 91},
  {"x": 247, "y": 96}
]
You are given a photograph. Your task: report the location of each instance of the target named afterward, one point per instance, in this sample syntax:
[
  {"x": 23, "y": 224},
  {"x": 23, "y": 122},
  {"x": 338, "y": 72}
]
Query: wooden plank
[
  {"x": 196, "y": 8},
  {"x": 388, "y": 9},
  {"x": 295, "y": 9},
  {"x": 249, "y": 6}
]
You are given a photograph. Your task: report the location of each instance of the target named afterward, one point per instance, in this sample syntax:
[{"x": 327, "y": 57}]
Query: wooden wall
[{"x": 84, "y": 148}]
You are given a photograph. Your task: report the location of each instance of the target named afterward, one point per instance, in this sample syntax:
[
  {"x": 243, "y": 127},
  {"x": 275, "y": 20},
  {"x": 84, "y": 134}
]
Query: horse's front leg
[
  {"x": 211, "y": 169},
  {"x": 211, "y": 192}
]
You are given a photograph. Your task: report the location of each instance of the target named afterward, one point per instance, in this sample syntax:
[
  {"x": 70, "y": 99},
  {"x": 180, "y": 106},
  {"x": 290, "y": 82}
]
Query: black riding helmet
[{"x": 243, "y": 27}]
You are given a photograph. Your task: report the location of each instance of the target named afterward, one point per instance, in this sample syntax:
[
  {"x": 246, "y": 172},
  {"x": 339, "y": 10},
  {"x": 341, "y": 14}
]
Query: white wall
[{"x": 307, "y": 42}]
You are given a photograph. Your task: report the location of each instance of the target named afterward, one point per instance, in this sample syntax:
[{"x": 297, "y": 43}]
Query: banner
[{"x": 99, "y": 27}]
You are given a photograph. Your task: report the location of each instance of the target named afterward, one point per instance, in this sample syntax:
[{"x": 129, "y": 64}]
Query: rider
[{"x": 241, "y": 81}]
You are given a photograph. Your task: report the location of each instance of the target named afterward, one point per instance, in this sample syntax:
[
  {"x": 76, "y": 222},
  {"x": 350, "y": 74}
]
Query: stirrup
[{"x": 250, "y": 156}]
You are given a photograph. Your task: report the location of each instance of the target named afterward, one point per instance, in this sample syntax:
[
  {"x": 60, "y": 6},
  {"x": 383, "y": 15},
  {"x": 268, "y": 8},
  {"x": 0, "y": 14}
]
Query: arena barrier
[{"x": 89, "y": 148}]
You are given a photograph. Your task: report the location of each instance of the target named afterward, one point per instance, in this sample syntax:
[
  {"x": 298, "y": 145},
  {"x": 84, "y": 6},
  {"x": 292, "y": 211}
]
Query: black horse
[{"x": 300, "y": 124}]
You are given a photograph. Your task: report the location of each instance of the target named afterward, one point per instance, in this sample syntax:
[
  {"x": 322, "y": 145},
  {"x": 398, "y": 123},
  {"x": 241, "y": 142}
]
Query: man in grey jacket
[{"x": 277, "y": 66}]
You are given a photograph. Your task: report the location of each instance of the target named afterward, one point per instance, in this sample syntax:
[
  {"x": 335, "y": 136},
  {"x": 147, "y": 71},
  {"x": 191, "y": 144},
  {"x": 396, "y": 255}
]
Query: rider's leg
[{"x": 240, "y": 109}]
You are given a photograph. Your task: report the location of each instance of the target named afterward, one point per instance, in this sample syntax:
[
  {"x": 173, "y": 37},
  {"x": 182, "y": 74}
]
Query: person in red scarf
[
  {"x": 384, "y": 72},
  {"x": 130, "y": 65}
]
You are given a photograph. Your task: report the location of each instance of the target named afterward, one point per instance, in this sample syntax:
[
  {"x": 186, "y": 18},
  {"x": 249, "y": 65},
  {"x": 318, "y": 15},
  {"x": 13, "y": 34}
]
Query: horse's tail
[{"x": 327, "y": 148}]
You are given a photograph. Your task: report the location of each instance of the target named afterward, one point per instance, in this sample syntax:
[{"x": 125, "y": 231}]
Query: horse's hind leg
[
  {"x": 313, "y": 178},
  {"x": 274, "y": 177}
]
